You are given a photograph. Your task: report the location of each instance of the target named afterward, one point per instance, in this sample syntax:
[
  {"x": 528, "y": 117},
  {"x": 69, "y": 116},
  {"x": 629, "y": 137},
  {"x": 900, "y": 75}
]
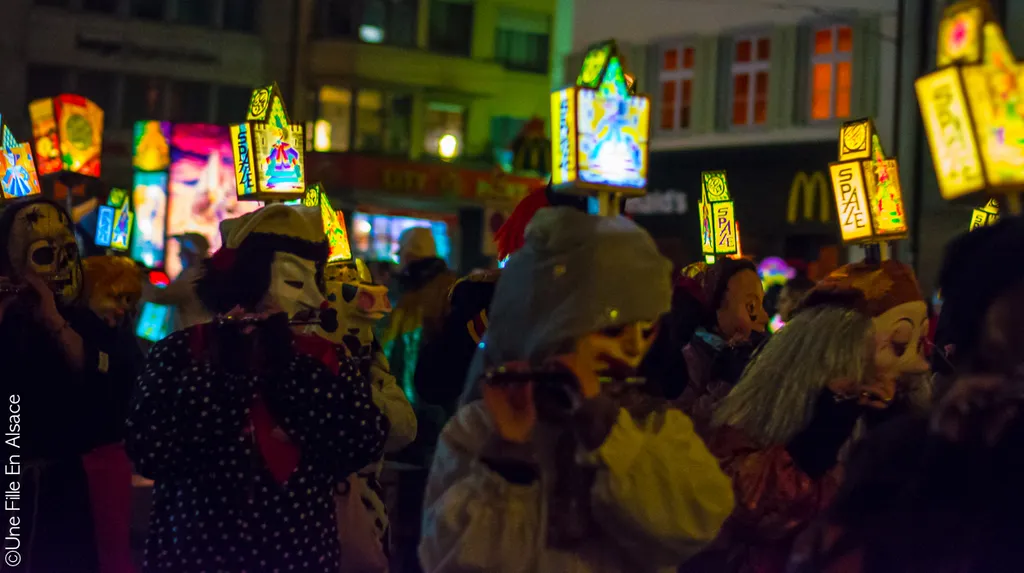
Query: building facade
[
  {"x": 412, "y": 104},
  {"x": 759, "y": 90},
  {"x": 175, "y": 60}
]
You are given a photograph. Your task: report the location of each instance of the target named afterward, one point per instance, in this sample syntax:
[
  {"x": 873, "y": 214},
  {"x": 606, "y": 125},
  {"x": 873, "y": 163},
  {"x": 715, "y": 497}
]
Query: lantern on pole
[
  {"x": 985, "y": 216},
  {"x": 601, "y": 129},
  {"x": 866, "y": 184},
  {"x": 970, "y": 107},
  {"x": 18, "y": 176},
  {"x": 268, "y": 151},
  {"x": 719, "y": 236},
  {"x": 68, "y": 133}
]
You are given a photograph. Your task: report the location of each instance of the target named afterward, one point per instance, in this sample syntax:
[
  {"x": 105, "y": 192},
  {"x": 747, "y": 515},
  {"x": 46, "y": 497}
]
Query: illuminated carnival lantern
[
  {"x": 68, "y": 134},
  {"x": 600, "y": 132},
  {"x": 971, "y": 107},
  {"x": 114, "y": 221},
  {"x": 18, "y": 176},
  {"x": 268, "y": 151},
  {"x": 718, "y": 233},
  {"x": 985, "y": 216},
  {"x": 334, "y": 223},
  {"x": 866, "y": 184}
]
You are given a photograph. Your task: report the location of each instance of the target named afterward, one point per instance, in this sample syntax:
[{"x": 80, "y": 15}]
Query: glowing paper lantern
[
  {"x": 971, "y": 105},
  {"x": 985, "y": 216},
  {"x": 866, "y": 184},
  {"x": 114, "y": 221},
  {"x": 268, "y": 151},
  {"x": 18, "y": 176},
  {"x": 601, "y": 129},
  {"x": 717, "y": 217},
  {"x": 68, "y": 133},
  {"x": 334, "y": 223}
]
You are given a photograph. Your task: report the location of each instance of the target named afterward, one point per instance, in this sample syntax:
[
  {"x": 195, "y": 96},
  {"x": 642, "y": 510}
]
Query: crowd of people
[{"x": 585, "y": 408}]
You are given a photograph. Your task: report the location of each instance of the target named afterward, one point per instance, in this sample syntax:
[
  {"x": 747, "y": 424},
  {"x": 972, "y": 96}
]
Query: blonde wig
[
  {"x": 107, "y": 274},
  {"x": 775, "y": 397}
]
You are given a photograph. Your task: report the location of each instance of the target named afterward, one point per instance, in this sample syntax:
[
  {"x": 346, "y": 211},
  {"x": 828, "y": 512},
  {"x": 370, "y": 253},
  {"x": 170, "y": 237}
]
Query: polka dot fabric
[{"x": 216, "y": 507}]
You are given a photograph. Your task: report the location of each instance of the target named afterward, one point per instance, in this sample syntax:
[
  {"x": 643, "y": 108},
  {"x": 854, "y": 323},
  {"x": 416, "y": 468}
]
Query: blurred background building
[
  {"x": 412, "y": 108},
  {"x": 192, "y": 61}
]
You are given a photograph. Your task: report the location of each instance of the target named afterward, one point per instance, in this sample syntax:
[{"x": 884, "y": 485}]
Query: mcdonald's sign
[{"x": 809, "y": 186}]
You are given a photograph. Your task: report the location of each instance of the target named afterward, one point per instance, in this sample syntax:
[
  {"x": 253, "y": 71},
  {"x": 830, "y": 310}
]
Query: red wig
[{"x": 509, "y": 237}]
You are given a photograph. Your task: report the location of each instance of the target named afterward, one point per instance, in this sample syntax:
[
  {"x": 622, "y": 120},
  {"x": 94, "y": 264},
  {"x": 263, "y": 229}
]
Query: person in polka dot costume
[{"x": 246, "y": 427}]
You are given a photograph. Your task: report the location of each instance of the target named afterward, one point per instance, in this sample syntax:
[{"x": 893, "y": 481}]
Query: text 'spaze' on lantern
[
  {"x": 866, "y": 184},
  {"x": 18, "y": 176},
  {"x": 985, "y": 216},
  {"x": 68, "y": 133},
  {"x": 600, "y": 129},
  {"x": 972, "y": 105},
  {"x": 717, "y": 217},
  {"x": 268, "y": 151}
]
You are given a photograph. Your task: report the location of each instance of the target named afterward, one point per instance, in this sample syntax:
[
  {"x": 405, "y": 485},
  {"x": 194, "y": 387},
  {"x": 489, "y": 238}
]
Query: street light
[{"x": 448, "y": 146}]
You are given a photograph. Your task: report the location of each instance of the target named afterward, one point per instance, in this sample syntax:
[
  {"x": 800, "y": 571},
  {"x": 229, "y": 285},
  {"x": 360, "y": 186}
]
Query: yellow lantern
[
  {"x": 601, "y": 129},
  {"x": 68, "y": 133},
  {"x": 18, "y": 176},
  {"x": 971, "y": 106},
  {"x": 866, "y": 184},
  {"x": 985, "y": 216},
  {"x": 268, "y": 151},
  {"x": 719, "y": 235}
]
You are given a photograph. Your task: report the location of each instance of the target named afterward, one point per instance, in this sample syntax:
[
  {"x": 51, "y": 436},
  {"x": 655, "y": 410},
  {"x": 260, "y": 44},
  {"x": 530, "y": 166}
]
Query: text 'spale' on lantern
[
  {"x": 68, "y": 134},
  {"x": 268, "y": 151},
  {"x": 717, "y": 215},
  {"x": 869, "y": 200},
  {"x": 601, "y": 129},
  {"x": 985, "y": 216},
  {"x": 971, "y": 105}
]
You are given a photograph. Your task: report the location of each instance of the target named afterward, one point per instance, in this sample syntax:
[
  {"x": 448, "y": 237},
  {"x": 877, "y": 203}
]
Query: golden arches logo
[{"x": 809, "y": 186}]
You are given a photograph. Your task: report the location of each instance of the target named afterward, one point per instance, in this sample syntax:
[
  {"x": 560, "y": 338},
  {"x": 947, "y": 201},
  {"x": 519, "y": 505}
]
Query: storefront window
[
  {"x": 522, "y": 41},
  {"x": 750, "y": 67},
  {"x": 676, "y": 76},
  {"x": 445, "y": 129},
  {"x": 369, "y": 120},
  {"x": 831, "y": 72},
  {"x": 451, "y": 26},
  {"x": 382, "y": 121}
]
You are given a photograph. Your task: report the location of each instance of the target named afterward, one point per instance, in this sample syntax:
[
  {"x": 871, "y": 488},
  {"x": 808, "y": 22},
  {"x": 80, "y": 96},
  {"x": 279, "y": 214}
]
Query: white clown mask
[
  {"x": 42, "y": 243},
  {"x": 293, "y": 287}
]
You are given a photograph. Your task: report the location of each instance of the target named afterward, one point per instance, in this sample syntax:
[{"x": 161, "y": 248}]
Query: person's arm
[
  {"x": 659, "y": 492},
  {"x": 482, "y": 501},
  {"x": 389, "y": 397},
  {"x": 327, "y": 409}
]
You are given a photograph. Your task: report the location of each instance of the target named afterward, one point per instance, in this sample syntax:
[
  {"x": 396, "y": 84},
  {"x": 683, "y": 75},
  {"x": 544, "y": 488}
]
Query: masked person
[
  {"x": 732, "y": 322},
  {"x": 853, "y": 348},
  {"x": 553, "y": 471},
  {"x": 58, "y": 361},
  {"x": 112, "y": 290},
  {"x": 245, "y": 424},
  {"x": 363, "y": 524}
]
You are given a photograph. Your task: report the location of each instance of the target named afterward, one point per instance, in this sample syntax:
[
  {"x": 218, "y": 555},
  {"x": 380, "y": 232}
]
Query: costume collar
[{"x": 710, "y": 338}]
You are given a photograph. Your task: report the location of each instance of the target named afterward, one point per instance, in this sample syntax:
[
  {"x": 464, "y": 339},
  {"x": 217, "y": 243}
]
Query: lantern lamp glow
[
  {"x": 334, "y": 224},
  {"x": 114, "y": 221},
  {"x": 68, "y": 133},
  {"x": 985, "y": 216},
  {"x": 268, "y": 151},
  {"x": 866, "y": 184},
  {"x": 18, "y": 176},
  {"x": 970, "y": 106},
  {"x": 717, "y": 217},
  {"x": 601, "y": 129}
]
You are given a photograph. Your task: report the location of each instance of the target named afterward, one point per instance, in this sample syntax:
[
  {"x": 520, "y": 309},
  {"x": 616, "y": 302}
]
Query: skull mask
[{"x": 41, "y": 242}]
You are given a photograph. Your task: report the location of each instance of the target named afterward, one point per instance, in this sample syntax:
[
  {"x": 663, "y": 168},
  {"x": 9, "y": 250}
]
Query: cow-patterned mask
[
  {"x": 42, "y": 243},
  {"x": 360, "y": 303}
]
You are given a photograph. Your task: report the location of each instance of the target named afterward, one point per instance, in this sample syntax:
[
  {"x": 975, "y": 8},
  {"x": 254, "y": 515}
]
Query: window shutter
[
  {"x": 723, "y": 82},
  {"x": 802, "y": 77},
  {"x": 782, "y": 76},
  {"x": 864, "y": 91},
  {"x": 705, "y": 85}
]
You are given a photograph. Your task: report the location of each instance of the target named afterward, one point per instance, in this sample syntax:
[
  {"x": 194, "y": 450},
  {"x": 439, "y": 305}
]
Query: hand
[
  {"x": 586, "y": 374},
  {"x": 512, "y": 409},
  {"x": 876, "y": 393},
  {"x": 47, "y": 310}
]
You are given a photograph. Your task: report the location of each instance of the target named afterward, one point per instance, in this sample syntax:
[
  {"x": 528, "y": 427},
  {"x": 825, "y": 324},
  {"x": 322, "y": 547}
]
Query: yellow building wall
[{"x": 483, "y": 86}]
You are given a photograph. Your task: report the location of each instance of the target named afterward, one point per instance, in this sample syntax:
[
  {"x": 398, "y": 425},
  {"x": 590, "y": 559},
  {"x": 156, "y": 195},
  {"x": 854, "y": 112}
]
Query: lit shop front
[
  {"x": 381, "y": 197},
  {"x": 782, "y": 197}
]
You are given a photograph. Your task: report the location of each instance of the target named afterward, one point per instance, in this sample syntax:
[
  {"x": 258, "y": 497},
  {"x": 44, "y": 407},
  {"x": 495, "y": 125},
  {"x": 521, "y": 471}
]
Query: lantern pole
[{"x": 873, "y": 253}]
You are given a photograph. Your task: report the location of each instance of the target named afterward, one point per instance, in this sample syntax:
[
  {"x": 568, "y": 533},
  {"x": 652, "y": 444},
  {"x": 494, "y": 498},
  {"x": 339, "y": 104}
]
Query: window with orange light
[
  {"x": 831, "y": 72},
  {"x": 751, "y": 66},
  {"x": 676, "y": 77}
]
